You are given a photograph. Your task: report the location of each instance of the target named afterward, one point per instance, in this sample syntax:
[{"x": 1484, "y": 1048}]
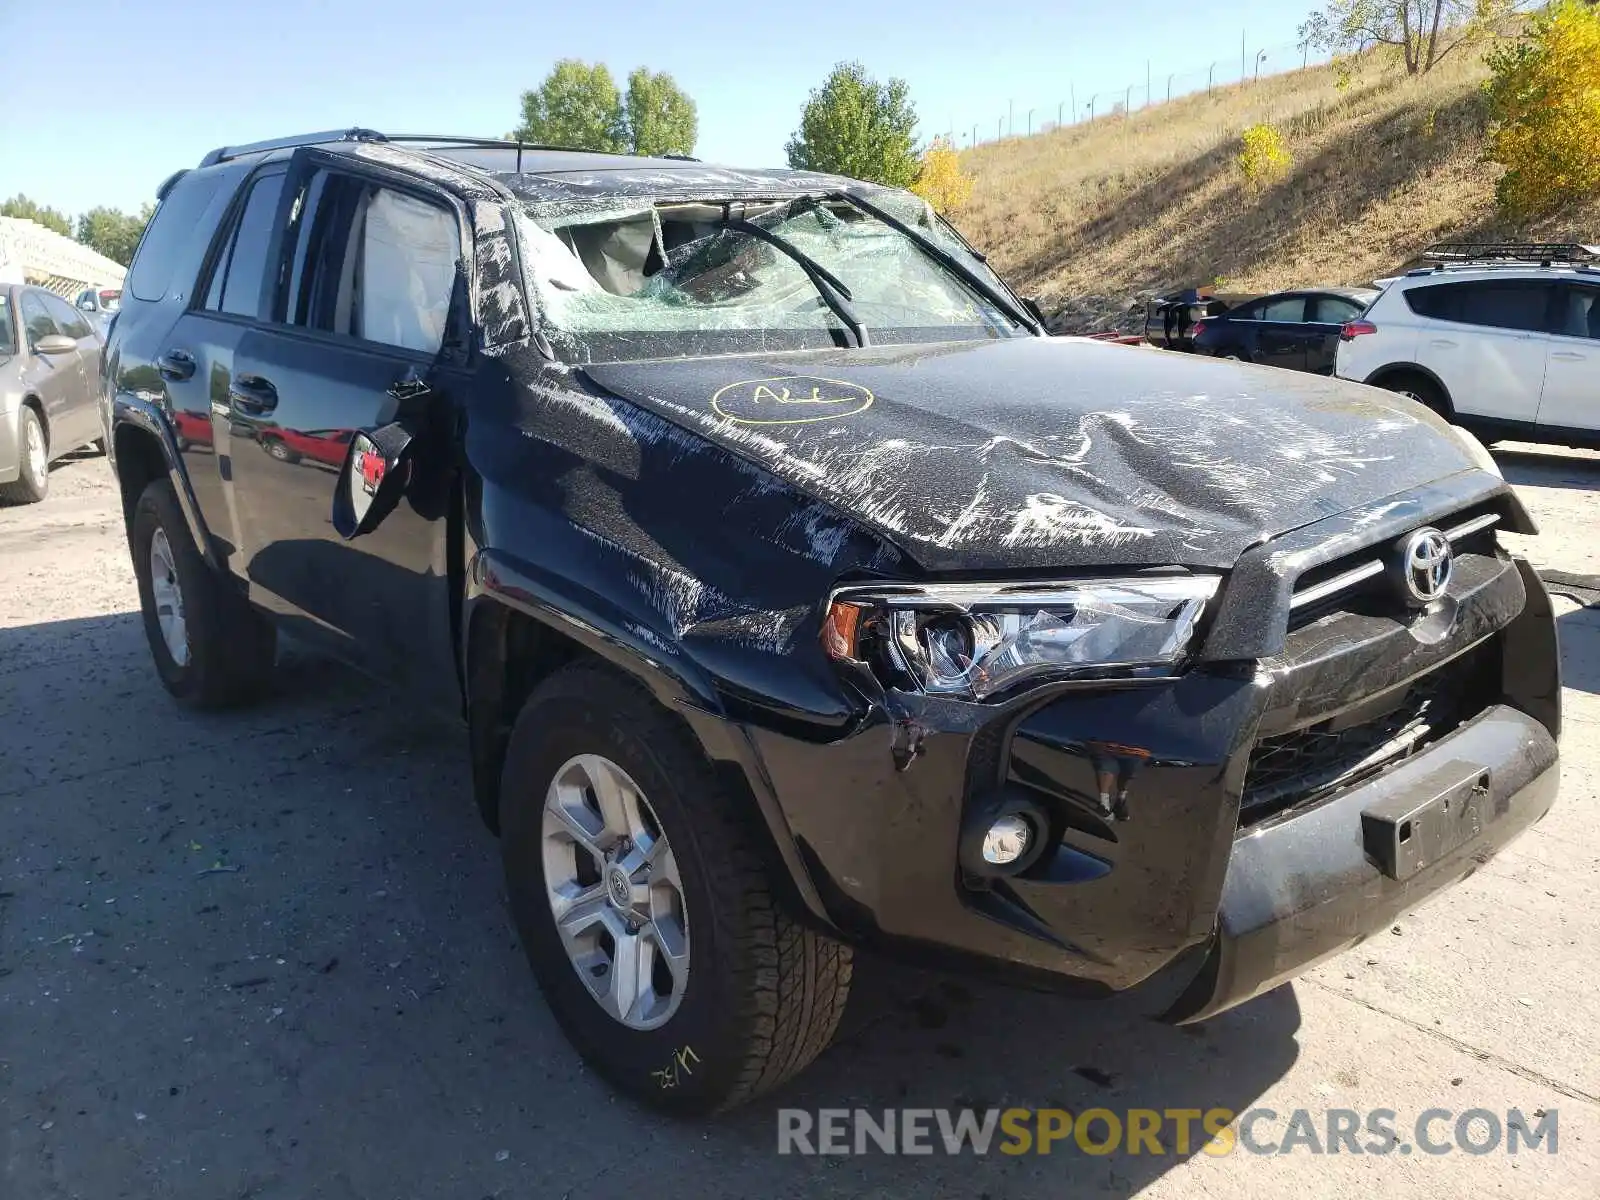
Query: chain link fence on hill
[{"x": 1079, "y": 102}]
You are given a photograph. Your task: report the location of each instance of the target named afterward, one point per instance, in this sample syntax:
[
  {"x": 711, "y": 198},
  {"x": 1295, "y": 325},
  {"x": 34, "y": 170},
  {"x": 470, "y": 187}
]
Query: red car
[{"x": 320, "y": 445}]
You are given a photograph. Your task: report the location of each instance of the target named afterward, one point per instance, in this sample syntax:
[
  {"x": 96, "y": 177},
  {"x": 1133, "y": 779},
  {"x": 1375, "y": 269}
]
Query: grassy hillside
[{"x": 1093, "y": 216}]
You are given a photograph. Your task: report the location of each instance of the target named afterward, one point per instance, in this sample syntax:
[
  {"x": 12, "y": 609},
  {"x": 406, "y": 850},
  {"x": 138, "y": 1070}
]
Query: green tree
[
  {"x": 659, "y": 117},
  {"x": 113, "y": 232},
  {"x": 1423, "y": 31},
  {"x": 1545, "y": 100},
  {"x": 577, "y": 105},
  {"x": 853, "y": 125},
  {"x": 20, "y": 206}
]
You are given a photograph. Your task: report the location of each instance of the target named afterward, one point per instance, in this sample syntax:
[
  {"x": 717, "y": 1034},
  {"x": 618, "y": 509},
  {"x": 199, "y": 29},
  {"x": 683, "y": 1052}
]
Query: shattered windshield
[{"x": 646, "y": 278}]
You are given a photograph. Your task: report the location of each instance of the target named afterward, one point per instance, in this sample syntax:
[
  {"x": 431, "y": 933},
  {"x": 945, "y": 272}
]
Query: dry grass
[{"x": 1155, "y": 201}]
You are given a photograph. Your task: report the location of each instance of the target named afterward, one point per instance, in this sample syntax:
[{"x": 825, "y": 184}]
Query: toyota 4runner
[{"x": 798, "y": 594}]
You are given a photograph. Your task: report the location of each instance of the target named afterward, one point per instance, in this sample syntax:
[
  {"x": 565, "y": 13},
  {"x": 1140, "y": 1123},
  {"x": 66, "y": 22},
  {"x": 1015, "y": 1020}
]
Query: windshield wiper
[
  {"x": 833, "y": 292},
  {"x": 944, "y": 258}
]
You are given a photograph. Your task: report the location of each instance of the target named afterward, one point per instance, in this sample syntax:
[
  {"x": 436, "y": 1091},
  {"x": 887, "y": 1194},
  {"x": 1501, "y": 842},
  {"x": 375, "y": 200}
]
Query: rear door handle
[
  {"x": 1569, "y": 356},
  {"x": 176, "y": 365},
  {"x": 1442, "y": 344},
  {"x": 252, "y": 395}
]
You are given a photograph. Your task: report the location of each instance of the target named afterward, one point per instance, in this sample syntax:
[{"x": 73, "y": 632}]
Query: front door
[
  {"x": 1571, "y": 400},
  {"x": 56, "y": 378},
  {"x": 356, "y": 344}
]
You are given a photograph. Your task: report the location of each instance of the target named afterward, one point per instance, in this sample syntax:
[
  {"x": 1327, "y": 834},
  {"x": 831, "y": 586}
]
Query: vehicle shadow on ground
[
  {"x": 1579, "y": 631},
  {"x": 1532, "y": 468},
  {"x": 290, "y": 923}
]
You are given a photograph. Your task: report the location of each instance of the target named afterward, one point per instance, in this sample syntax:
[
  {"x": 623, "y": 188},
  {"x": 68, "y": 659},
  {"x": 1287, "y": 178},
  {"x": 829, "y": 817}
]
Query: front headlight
[{"x": 974, "y": 641}]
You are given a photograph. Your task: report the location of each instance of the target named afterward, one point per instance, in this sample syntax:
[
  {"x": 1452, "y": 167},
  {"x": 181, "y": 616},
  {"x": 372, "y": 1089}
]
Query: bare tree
[{"x": 1424, "y": 31}]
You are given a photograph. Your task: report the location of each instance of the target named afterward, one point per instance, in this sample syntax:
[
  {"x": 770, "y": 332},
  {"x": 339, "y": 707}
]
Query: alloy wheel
[
  {"x": 38, "y": 461},
  {"x": 614, "y": 892},
  {"x": 167, "y": 594}
]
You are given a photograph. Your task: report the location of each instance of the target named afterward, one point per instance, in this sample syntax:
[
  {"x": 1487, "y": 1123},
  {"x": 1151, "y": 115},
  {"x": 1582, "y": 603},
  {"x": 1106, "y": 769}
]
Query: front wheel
[
  {"x": 33, "y": 475},
  {"x": 210, "y": 647},
  {"x": 644, "y": 907}
]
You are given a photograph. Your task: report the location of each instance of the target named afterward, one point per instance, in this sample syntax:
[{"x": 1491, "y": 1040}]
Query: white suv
[{"x": 1508, "y": 348}]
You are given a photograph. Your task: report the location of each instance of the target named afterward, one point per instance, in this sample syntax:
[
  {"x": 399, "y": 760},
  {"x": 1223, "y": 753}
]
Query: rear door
[
  {"x": 1281, "y": 333},
  {"x": 356, "y": 340},
  {"x": 1571, "y": 400},
  {"x": 1326, "y": 316},
  {"x": 1486, "y": 342}
]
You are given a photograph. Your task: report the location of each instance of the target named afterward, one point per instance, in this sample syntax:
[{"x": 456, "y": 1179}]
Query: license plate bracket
[{"x": 1407, "y": 832}]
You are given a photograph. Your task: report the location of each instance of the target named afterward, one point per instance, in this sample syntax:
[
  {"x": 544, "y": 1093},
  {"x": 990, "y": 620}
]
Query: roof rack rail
[
  {"x": 357, "y": 134},
  {"x": 224, "y": 153},
  {"x": 1544, "y": 253}
]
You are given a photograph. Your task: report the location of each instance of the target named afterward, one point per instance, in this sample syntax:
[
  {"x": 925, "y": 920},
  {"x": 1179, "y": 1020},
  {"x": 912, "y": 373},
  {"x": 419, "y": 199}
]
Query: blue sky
[{"x": 104, "y": 99}]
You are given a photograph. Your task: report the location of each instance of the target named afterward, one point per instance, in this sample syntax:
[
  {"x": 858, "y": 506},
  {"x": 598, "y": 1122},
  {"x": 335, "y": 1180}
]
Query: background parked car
[
  {"x": 1502, "y": 339},
  {"x": 1169, "y": 321},
  {"x": 100, "y": 305},
  {"x": 1298, "y": 330},
  {"x": 49, "y": 364}
]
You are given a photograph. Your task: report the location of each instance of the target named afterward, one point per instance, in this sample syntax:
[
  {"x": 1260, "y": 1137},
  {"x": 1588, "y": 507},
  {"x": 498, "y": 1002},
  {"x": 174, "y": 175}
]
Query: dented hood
[{"x": 1039, "y": 453}]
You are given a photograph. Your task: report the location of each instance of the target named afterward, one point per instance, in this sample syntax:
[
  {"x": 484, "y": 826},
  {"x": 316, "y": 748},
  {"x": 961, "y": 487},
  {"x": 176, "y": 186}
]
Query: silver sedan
[{"x": 49, "y": 370}]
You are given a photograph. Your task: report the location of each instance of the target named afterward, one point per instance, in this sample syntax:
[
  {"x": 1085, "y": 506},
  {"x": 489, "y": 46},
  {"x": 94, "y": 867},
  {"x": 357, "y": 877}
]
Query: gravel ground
[{"x": 266, "y": 955}]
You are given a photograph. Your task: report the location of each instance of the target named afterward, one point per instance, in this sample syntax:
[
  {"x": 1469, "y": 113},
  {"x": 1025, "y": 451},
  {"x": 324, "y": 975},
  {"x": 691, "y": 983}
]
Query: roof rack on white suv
[{"x": 1544, "y": 254}]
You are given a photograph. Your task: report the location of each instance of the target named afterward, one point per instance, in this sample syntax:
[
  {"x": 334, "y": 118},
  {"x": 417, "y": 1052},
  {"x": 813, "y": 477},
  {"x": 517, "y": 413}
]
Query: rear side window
[
  {"x": 8, "y": 327},
  {"x": 1288, "y": 308},
  {"x": 1510, "y": 304},
  {"x": 239, "y": 276},
  {"x": 1333, "y": 310},
  {"x": 168, "y": 235}
]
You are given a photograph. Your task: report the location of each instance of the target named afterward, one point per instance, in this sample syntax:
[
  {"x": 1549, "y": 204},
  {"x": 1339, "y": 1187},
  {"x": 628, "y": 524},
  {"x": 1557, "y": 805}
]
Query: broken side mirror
[{"x": 376, "y": 472}]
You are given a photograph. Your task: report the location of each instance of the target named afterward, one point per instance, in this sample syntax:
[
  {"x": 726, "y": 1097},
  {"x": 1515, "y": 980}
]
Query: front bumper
[
  {"x": 1161, "y": 856},
  {"x": 1304, "y": 888}
]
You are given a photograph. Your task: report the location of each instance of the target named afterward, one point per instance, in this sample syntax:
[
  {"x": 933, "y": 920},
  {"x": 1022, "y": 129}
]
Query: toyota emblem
[{"x": 1425, "y": 565}]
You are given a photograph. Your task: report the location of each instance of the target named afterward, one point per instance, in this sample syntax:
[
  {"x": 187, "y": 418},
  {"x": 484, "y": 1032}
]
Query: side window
[
  {"x": 168, "y": 234},
  {"x": 1509, "y": 305},
  {"x": 36, "y": 318},
  {"x": 1248, "y": 312},
  {"x": 1332, "y": 310},
  {"x": 240, "y": 277},
  {"x": 1438, "y": 301},
  {"x": 68, "y": 319},
  {"x": 374, "y": 263},
  {"x": 1287, "y": 308},
  {"x": 8, "y": 327},
  {"x": 1580, "y": 313}
]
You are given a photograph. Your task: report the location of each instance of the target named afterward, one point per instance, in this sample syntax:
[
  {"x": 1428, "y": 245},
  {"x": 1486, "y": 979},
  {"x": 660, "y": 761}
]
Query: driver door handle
[
  {"x": 252, "y": 395},
  {"x": 176, "y": 365}
]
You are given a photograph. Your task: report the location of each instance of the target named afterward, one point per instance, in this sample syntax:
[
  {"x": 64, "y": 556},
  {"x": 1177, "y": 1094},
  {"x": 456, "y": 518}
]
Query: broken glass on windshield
[{"x": 671, "y": 268}]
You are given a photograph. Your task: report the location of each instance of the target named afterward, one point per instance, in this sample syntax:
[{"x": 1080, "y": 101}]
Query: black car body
[
  {"x": 1184, "y": 653},
  {"x": 1296, "y": 330}
]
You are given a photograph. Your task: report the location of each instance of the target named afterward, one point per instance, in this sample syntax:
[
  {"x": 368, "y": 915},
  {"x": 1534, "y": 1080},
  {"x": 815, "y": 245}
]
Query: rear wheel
[
  {"x": 1419, "y": 388},
  {"x": 33, "y": 453},
  {"x": 211, "y": 649},
  {"x": 644, "y": 907}
]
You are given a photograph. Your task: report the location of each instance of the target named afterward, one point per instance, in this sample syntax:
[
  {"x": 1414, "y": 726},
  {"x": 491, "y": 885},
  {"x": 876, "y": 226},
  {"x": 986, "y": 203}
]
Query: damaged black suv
[{"x": 798, "y": 594}]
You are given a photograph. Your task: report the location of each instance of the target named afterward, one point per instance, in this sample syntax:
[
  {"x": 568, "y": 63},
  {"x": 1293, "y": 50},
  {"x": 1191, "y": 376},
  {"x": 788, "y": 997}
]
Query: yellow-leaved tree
[
  {"x": 1544, "y": 98},
  {"x": 1264, "y": 156},
  {"x": 941, "y": 182}
]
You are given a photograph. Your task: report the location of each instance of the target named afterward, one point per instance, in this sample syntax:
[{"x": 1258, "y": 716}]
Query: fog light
[{"x": 1007, "y": 840}]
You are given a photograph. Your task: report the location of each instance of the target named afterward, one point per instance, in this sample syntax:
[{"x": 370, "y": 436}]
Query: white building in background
[{"x": 30, "y": 253}]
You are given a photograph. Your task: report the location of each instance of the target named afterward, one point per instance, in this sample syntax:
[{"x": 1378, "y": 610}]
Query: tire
[
  {"x": 226, "y": 648},
  {"x": 278, "y": 449},
  {"x": 32, "y": 483},
  {"x": 1421, "y": 389},
  {"x": 762, "y": 994}
]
